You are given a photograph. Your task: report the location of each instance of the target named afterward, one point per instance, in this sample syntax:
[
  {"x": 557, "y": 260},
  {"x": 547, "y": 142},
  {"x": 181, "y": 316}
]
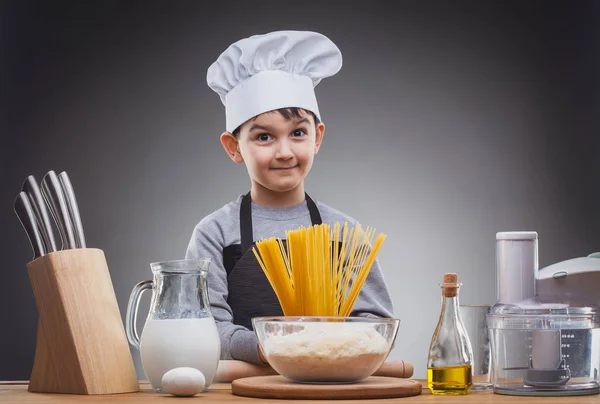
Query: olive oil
[
  {"x": 450, "y": 353},
  {"x": 451, "y": 380}
]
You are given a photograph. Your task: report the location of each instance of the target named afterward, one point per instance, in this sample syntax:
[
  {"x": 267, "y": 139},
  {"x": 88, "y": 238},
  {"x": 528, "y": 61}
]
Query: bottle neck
[{"x": 450, "y": 307}]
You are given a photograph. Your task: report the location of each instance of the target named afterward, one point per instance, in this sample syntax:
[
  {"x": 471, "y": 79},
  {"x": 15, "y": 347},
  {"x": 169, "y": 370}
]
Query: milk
[{"x": 168, "y": 344}]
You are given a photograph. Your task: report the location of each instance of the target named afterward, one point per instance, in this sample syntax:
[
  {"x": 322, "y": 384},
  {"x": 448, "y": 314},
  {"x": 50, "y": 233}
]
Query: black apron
[{"x": 250, "y": 293}]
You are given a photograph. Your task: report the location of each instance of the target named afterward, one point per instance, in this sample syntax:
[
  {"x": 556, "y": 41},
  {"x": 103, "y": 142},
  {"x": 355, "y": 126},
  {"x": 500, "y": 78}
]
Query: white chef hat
[{"x": 271, "y": 71}]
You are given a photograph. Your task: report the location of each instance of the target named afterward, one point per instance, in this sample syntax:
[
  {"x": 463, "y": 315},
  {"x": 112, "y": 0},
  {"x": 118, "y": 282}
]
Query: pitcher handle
[{"x": 132, "y": 309}]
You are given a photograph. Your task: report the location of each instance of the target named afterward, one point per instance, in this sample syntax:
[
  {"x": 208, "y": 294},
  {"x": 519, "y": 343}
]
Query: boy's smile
[
  {"x": 278, "y": 153},
  {"x": 284, "y": 169}
]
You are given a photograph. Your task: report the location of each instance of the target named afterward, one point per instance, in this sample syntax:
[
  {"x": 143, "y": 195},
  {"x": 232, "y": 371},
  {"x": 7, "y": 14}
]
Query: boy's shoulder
[
  {"x": 332, "y": 215},
  {"x": 222, "y": 219}
]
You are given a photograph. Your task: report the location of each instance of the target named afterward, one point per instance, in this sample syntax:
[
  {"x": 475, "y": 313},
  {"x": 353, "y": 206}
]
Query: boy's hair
[{"x": 288, "y": 113}]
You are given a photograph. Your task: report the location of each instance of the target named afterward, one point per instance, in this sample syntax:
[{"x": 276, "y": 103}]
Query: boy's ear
[
  {"x": 230, "y": 144},
  {"x": 319, "y": 132}
]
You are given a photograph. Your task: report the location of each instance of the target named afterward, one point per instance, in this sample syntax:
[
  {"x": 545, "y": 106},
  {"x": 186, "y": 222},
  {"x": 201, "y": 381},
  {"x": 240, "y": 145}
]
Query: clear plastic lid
[{"x": 533, "y": 314}]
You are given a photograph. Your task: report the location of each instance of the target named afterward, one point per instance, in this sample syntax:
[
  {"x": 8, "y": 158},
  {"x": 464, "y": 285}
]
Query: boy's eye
[
  {"x": 263, "y": 137},
  {"x": 299, "y": 133}
]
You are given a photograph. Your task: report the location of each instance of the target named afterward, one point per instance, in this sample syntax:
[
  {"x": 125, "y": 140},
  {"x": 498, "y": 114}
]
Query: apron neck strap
[{"x": 247, "y": 238}]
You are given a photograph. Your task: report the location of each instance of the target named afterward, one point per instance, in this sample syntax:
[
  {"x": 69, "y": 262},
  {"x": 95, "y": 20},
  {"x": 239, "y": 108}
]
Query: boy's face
[{"x": 278, "y": 152}]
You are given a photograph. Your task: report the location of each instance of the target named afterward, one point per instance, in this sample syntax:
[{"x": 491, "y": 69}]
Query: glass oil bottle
[{"x": 450, "y": 354}]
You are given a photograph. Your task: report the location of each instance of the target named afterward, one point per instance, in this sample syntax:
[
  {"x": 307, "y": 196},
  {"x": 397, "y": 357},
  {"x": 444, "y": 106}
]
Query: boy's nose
[{"x": 284, "y": 151}]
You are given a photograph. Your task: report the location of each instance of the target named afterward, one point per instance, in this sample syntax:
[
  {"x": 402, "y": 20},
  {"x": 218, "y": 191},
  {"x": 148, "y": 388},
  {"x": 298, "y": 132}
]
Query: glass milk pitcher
[{"x": 180, "y": 329}]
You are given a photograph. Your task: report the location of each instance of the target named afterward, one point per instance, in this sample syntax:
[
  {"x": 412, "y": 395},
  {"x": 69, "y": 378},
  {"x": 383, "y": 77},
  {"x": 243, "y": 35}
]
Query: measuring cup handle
[{"x": 132, "y": 309}]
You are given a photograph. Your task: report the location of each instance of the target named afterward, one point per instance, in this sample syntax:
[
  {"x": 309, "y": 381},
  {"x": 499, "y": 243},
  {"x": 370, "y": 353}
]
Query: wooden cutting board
[{"x": 281, "y": 388}]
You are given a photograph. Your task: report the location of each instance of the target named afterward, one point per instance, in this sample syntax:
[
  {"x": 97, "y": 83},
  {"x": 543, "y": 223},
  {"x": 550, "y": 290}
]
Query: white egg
[{"x": 184, "y": 382}]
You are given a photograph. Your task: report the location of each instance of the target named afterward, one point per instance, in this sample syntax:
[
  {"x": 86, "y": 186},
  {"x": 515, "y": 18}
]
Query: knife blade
[
  {"x": 31, "y": 188},
  {"x": 55, "y": 199},
  {"x": 26, "y": 216},
  {"x": 73, "y": 207}
]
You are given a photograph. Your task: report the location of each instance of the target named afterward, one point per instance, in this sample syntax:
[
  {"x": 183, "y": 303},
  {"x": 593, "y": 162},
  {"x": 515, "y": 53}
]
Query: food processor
[{"x": 545, "y": 326}]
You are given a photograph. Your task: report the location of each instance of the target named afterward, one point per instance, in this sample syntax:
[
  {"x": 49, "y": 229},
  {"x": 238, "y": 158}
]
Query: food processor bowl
[{"x": 544, "y": 349}]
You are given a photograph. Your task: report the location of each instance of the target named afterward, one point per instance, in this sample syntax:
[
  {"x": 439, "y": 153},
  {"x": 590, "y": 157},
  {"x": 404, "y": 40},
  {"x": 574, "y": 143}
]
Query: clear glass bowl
[{"x": 325, "y": 349}]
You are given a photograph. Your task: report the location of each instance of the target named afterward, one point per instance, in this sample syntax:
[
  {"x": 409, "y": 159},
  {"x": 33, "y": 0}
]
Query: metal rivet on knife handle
[
  {"x": 52, "y": 192},
  {"x": 67, "y": 187},
  {"x": 31, "y": 188},
  {"x": 25, "y": 214}
]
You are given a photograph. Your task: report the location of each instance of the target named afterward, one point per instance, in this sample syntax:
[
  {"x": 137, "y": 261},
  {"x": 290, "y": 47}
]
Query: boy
[{"x": 273, "y": 126}]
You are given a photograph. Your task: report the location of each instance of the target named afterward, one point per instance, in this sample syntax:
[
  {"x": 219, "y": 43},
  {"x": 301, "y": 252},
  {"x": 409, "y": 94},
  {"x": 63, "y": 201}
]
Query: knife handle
[
  {"x": 52, "y": 192},
  {"x": 25, "y": 214},
  {"x": 73, "y": 207},
  {"x": 31, "y": 188}
]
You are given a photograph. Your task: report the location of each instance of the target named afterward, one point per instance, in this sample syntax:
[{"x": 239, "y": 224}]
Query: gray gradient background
[{"x": 448, "y": 122}]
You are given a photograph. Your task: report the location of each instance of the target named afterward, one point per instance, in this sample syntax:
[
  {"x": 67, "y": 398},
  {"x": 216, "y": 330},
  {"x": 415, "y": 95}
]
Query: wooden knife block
[{"x": 81, "y": 343}]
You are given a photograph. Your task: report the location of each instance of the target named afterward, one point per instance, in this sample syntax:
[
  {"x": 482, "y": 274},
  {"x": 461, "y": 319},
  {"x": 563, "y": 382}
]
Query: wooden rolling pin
[{"x": 230, "y": 370}]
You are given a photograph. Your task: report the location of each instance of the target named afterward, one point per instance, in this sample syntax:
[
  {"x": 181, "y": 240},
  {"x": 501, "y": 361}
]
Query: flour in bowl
[{"x": 327, "y": 352}]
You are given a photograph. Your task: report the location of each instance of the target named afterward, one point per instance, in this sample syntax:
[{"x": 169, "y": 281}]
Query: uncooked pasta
[{"x": 319, "y": 270}]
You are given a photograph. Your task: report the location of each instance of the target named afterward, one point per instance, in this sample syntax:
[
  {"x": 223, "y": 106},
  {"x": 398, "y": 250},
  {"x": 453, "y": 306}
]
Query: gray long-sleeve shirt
[{"x": 222, "y": 228}]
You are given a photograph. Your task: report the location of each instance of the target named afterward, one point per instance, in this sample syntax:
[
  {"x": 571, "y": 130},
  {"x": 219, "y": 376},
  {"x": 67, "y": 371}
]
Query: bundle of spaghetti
[{"x": 319, "y": 270}]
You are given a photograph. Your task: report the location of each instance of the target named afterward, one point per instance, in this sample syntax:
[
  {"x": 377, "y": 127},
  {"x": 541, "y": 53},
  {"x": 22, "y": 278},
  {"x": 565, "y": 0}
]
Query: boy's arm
[{"x": 237, "y": 342}]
